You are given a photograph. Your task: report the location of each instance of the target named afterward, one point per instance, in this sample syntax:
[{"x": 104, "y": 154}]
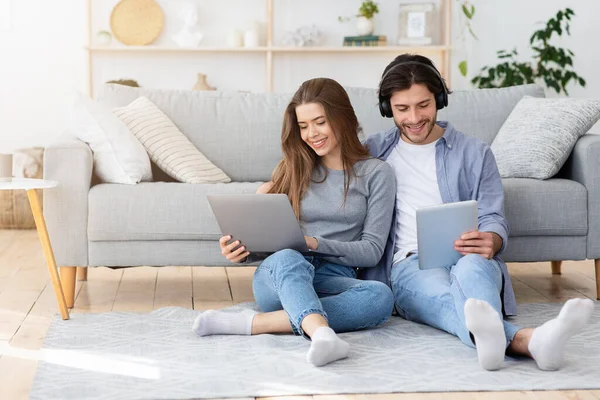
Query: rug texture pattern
[{"x": 156, "y": 356}]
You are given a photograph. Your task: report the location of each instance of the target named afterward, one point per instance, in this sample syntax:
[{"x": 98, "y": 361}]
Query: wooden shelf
[
  {"x": 264, "y": 49},
  {"x": 165, "y": 49},
  {"x": 271, "y": 51}
]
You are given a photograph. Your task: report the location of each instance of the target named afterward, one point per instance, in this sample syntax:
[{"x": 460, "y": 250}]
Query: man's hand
[{"x": 486, "y": 244}]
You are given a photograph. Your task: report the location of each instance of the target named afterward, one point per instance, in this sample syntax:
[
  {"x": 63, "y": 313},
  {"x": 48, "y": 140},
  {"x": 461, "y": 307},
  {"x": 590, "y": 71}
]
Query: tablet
[{"x": 437, "y": 229}]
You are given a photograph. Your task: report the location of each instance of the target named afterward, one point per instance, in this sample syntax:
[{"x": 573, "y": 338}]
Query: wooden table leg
[{"x": 40, "y": 223}]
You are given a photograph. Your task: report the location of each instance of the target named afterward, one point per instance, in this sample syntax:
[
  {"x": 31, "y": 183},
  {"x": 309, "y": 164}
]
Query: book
[
  {"x": 365, "y": 42},
  {"x": 365, "y": 38}
]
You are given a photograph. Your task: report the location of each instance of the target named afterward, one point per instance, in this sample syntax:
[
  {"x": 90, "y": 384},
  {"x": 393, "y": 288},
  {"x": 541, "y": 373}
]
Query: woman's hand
[
  {"x": 311, "y": 242},
  {"x": 231, "y": 251}
]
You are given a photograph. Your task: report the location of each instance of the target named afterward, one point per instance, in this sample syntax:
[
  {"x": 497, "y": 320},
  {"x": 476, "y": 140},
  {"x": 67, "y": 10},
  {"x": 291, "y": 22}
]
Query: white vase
[{"x": 365, "y": 26}]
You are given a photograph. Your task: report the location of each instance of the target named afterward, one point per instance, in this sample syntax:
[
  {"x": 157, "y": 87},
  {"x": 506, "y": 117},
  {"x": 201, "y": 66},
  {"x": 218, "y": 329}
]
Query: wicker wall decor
[
  {"x": 15, "y": 212},
  {"x": 137, "y": 22}
]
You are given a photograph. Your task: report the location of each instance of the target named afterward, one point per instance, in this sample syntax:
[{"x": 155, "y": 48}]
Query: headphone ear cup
[
  {"x": 385, "y": 109},
  {"x": 441, "y": 100}
]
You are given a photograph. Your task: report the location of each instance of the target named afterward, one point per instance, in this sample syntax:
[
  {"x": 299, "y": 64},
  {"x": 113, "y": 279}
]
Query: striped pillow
[{"x": 167, "y": 145}]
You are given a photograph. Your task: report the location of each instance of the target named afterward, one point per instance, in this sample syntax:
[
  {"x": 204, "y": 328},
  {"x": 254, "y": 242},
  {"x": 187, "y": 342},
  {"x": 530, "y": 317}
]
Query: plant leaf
[
  {"x": 466, "y": 12},
  {"x": 462, "y": 67}
]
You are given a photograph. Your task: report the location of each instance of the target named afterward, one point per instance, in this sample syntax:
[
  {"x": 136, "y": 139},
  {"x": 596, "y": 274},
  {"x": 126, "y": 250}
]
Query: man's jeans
[
  {"x": 309, "y": 285},
  {"x": 437, "y": 297}
]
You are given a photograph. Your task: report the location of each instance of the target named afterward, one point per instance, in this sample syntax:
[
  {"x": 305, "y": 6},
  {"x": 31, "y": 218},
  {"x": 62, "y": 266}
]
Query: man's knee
[{"x": 474, "y": 264}]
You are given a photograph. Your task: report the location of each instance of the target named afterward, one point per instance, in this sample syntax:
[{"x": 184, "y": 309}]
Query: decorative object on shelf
[
  {"x": 15, "y": 211},
  {"x": 303, "y": 37},
  {"x": 103, "y": 38},
  {"x": 125, "y": 82},
  {"x": 364, "y": 19},
  {"x": 188, "y": 36},
  {"x": 550, "y": 65},
  {"x": 201, "y": 84},
  {"x": 252, "y": 35},
  {"x": 418, "y": 24},
  {"x": 369, "y": 40},
  {"x": 235, "y": 38},
  {"x": 137, "y": 22}
]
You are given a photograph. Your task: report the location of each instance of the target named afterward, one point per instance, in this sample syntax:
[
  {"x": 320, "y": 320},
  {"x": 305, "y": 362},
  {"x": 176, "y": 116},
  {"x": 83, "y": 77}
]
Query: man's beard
[{"x": 429, "y": 125}]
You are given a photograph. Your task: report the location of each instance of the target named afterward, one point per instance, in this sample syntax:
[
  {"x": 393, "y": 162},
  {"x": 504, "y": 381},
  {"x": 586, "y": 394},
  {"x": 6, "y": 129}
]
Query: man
[{"x": 436, "y": 164}]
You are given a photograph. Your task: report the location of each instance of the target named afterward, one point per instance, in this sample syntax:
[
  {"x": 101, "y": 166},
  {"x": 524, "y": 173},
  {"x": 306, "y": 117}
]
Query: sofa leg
[
  {"x": 82, "y": 273},
  {"x": 556, "y": 267},
  {"x": 597, "y": 264},
  {"x": 67, "y": 278}
]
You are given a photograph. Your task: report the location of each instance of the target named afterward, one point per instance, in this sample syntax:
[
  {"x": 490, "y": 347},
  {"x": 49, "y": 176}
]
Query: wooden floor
[{"x": 27, "y": 303}]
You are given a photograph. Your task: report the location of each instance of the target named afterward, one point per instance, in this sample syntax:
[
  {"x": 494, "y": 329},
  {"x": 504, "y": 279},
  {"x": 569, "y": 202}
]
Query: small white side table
[{"x": 29, "y": 185}]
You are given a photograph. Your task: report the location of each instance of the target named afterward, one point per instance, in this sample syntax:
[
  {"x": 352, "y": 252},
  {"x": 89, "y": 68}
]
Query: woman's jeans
[
  {"x": 300, "y": 285},
  {"x": 437, "y": 297}
]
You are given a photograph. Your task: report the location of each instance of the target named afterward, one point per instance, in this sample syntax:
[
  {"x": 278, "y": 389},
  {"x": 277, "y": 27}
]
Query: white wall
[
  {"x": 506, "y": 24},
  {"x": 42, "y": 58}
]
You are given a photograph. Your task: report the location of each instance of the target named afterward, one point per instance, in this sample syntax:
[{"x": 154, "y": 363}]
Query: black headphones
[{"x": 441, "y": 98}]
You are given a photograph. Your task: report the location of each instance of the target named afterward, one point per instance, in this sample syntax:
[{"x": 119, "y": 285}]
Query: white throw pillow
[
  {"x": 167, "y": 146},
  {"x": 118, "y": 155},
  {"x": 540, "y": 133}
]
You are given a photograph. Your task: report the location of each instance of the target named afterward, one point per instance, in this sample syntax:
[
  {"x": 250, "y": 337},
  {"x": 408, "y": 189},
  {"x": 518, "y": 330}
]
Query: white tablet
[{"x": 437, "y": 229}]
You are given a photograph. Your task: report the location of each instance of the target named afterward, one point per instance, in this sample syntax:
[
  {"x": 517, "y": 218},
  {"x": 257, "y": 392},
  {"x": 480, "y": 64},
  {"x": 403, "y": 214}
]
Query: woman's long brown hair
[{"x": 293, "y": 174}]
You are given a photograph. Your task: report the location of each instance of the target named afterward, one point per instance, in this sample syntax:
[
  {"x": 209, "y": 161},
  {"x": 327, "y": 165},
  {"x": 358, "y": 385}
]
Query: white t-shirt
[{"x": 416, "y": 180}]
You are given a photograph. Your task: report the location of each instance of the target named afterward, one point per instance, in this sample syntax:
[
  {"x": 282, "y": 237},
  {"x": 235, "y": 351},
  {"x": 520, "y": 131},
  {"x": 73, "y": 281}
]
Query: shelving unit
[{"x": 269, "y": 50}]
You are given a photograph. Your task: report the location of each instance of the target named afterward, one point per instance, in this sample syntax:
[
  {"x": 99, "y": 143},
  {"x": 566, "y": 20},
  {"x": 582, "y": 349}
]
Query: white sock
[
  {"x": 215, "y": 322},
  {"x": 326, "y": 347},
  {"x": 487, "y": 328},
  {"x": 547, "y": 344}
]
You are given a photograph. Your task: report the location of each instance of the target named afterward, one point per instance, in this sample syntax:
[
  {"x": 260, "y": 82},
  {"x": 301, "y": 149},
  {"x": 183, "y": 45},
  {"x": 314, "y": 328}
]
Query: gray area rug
[{"x": 156, "y": 356}]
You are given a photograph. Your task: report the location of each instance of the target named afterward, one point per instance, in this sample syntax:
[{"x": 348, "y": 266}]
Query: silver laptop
[
  {"x": 264, "y": 223},
  {"x": 437, "y": 229}
]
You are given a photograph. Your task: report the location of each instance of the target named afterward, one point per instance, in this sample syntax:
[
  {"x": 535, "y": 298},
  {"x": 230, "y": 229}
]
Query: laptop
[
  {"x": 264, "y": 223},
  {"x": 437, "y": 229}
]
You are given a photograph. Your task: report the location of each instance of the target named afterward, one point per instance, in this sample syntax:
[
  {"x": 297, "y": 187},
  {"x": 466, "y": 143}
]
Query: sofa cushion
[
  {"x": 170, "y": 149},
  {"x": 545, "y": 208},
  {"x": 156, "y": 211},
  {"x": 539, "y": 135}
]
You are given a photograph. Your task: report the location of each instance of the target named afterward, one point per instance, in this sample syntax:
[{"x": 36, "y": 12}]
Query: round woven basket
[{"x": 137, "y": 22}]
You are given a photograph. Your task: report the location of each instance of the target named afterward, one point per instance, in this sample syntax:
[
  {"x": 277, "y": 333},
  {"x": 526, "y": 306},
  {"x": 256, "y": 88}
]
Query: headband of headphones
[{"x": 441, "y": 98}]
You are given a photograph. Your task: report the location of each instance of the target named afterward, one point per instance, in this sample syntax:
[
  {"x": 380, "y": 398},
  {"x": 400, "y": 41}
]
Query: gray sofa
[{"x": 168, "y": 223}]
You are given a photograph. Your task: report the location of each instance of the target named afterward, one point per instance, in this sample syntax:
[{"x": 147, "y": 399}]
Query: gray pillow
[{"x": 539, "y": 135}]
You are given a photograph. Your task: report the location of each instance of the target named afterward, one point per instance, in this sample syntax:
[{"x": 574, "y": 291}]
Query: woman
[{"x": 343, "y": 200}]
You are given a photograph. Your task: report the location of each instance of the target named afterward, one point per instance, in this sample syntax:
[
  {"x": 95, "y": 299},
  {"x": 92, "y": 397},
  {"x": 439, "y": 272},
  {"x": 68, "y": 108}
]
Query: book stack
[{"x": 369, "y": 40}]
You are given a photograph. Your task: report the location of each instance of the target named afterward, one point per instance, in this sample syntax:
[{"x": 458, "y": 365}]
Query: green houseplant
[
  {"x": 551, "y": 65},
  {"x": 468, "y": 11},
  {"x": 364, "y": 18}
]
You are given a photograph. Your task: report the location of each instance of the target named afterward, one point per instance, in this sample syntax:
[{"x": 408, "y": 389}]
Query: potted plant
[
  {"x": 364, "y": 18},
  {"x": 551, "y": 65},
  {"x": 364, "y": 21}
]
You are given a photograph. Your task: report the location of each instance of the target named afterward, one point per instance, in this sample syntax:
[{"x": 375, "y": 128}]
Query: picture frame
[{"x": 418, "y": 24}]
